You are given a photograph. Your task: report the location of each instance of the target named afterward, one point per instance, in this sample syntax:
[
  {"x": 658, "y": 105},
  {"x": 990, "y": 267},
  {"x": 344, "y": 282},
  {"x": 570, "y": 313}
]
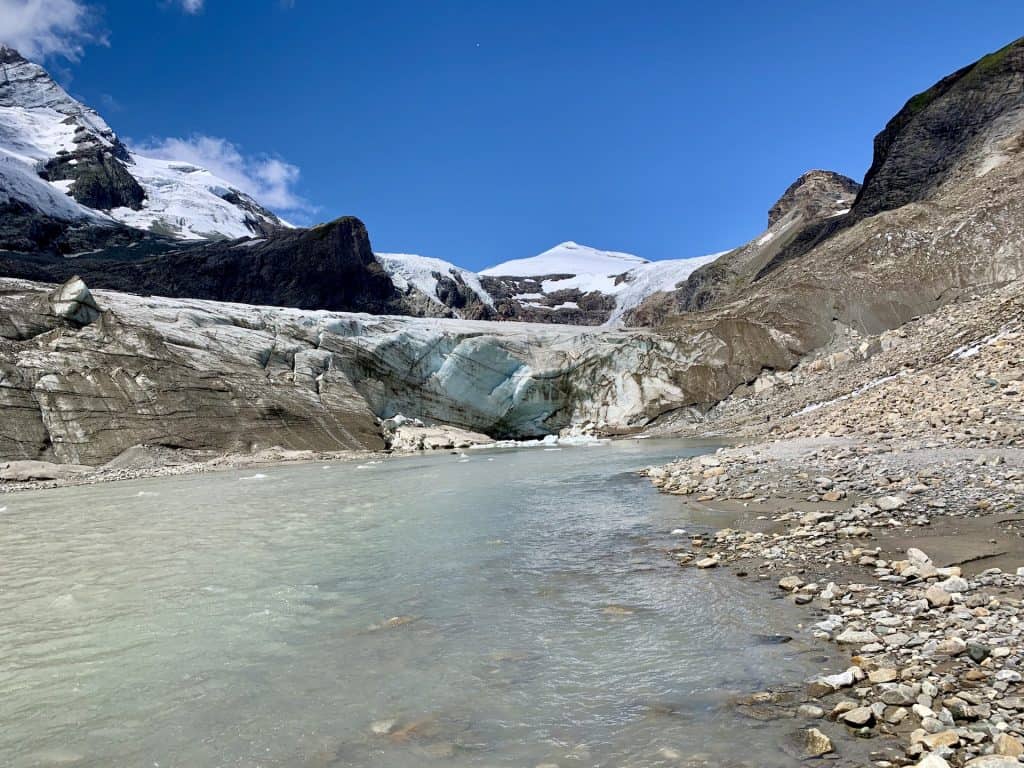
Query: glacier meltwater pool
[{"x": 512, "y": 608}]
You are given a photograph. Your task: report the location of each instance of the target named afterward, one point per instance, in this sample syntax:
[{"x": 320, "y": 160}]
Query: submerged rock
[{"x": 816, "y": 743}]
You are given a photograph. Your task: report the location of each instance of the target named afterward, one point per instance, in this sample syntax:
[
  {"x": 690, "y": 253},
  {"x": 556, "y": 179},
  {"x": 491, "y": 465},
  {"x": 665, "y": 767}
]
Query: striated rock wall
[{"x": 84, "y": 395}]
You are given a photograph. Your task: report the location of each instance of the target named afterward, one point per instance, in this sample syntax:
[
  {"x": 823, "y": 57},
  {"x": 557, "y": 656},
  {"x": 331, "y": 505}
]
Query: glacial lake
[{"x": 505, "y": 608}]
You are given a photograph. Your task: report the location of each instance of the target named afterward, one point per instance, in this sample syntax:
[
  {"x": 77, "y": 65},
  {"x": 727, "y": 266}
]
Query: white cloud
[
  {"x": 43, "y": 28},
  {"x": 191, "y": 6},
  {"x": 269, "y": 180}
]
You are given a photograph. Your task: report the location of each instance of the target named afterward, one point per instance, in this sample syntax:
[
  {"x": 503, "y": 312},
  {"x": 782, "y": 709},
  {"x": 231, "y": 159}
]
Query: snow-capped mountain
[
  {"x": 567, "y": 258},
  {"x": 59, "y": 158},
  {"x": 570, "y": 283}
]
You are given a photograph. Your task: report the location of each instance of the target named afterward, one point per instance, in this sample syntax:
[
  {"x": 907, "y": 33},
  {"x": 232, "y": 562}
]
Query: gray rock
[
  {"x": 856, "y": 637},
  {"x": 890, "y": 503}
]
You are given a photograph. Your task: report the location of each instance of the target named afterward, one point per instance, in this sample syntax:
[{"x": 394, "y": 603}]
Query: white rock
[
  {"x": 955, "y": 584},
  {"x": 917, "y": 556}
]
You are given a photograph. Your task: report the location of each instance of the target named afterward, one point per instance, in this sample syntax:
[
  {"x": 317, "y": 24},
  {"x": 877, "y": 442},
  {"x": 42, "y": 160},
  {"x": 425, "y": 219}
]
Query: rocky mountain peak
[
  {"x": 9, "y": 55},
  {"x": 818, "y": 194},
  {"x": 27, "y": 85}
]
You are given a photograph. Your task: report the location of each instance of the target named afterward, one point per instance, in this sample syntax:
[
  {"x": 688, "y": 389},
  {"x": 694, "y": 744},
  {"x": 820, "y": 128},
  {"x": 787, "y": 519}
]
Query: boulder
[{"x": 74, "y": 302}]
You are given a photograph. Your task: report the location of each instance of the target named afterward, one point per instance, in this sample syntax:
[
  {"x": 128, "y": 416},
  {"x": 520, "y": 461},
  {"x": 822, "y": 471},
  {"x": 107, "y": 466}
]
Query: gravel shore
[{"x": 884, "y": 491}]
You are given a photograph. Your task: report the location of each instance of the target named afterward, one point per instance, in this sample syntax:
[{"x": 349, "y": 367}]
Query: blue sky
[{"x": 484, "y": 131}]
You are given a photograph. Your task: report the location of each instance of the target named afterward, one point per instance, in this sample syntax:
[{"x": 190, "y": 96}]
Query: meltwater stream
[{"x": 507, "y": 609}]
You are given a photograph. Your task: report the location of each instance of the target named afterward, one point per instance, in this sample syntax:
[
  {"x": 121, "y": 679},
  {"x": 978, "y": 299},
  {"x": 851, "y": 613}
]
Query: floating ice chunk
[
  {"x": 257, "y": 476},
  {"x": 584, "y": 440}
]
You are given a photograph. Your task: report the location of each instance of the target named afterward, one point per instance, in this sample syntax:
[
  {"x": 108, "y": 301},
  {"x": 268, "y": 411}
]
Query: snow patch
[
  {"x": 408, "y": 269},
  {"x": 970, "y": 350},
  {"x": 651, "y": 278}
]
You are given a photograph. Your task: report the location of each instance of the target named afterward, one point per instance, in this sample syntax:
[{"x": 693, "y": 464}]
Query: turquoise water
[{"x": 509, "y": 608}]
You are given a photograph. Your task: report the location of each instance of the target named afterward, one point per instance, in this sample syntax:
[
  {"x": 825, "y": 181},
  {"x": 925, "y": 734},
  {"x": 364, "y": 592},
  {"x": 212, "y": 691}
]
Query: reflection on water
[{"x": 509, "y": 612}]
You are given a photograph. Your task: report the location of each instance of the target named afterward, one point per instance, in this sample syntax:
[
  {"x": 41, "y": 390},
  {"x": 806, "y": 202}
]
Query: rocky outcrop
[
  {"x": 524, "y": 299},
  {"x": 327, "y": 267},
  {"x": 811, "y": 204},
  {"x": 99, "y": 177}
]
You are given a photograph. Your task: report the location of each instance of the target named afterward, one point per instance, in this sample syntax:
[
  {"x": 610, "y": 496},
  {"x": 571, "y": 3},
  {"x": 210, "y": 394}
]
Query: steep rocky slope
[
  {"x": 937, "y": 212},
  {"x": 962, "y": 232},
  {"x": 816, "y": 199}
]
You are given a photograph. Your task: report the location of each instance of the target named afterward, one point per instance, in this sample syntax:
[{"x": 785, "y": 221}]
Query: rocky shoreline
[{"x": 892, "y": 512}]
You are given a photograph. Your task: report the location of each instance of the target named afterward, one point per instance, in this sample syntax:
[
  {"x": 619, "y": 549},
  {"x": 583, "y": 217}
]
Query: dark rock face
[
  {"x": 38, "y": 236},
  {"x": 453, "y": 291},
  {"x": 817, "y": 194},
  {"x": 922, "y": 146},
  {"x": 100, "y": 179},
  {"x": 328, "y": 267},
  {"x": 591, "y": 308}
]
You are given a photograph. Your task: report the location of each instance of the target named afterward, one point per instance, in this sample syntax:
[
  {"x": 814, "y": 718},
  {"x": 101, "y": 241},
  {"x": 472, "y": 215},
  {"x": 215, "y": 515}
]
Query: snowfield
[
  {"x": 185, "y": 200},
  {"x": 408, "y": 269}
]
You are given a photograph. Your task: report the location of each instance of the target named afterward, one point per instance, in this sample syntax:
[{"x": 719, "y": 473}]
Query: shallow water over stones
[{"x": 505, "y": 608}]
